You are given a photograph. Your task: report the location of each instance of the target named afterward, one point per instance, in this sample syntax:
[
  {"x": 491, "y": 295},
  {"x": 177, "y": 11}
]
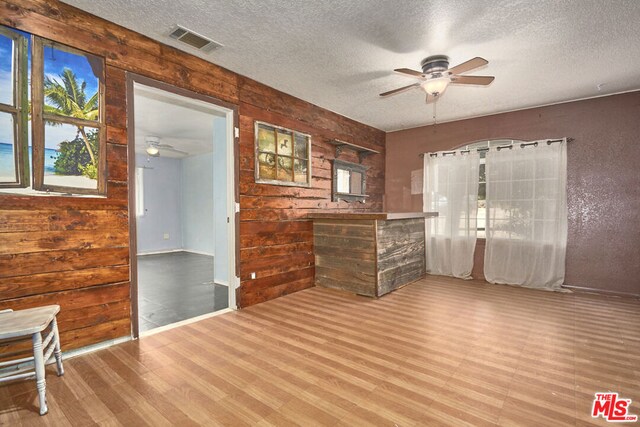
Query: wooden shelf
[
  {"x": 370, "y": 215},
  {"x": 362, "y": 151},
  {"x": 352, "y": 194}
]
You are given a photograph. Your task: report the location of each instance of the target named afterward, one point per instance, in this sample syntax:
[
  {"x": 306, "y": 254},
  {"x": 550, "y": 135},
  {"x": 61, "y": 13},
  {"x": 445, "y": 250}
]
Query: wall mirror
[{"x": 349, "y": 181}]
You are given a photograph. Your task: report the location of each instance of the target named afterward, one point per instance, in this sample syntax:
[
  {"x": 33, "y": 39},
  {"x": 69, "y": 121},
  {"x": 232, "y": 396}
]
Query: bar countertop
[{"x": 371, "y": 215}]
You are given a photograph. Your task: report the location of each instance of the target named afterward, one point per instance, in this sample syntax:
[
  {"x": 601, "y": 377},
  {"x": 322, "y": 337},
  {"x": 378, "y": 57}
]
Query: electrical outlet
[
  {"x": 253, "y": 275},
  {"x": 165, "y": 236}
]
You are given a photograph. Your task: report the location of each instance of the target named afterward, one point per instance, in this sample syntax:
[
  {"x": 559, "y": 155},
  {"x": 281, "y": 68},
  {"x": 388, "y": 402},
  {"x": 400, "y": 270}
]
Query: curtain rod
[{"x": 522, "y": 145}]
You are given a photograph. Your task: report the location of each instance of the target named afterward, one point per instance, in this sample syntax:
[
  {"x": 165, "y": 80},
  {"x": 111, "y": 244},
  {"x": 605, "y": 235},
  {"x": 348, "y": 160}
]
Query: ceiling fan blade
[
  {"x": 469, "y": 65},
  {"x": 169, "y": 147},
  {"x": 401, "y": 89},
  {"x": 472, "y": 80},
  {"x": 409, "y": 72},
  {"x": 175, "y": 150}
]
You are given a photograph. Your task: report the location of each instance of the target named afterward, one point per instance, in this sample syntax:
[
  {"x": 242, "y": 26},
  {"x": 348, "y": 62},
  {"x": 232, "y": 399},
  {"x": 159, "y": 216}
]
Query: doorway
[{"x": 182, "y": 205}]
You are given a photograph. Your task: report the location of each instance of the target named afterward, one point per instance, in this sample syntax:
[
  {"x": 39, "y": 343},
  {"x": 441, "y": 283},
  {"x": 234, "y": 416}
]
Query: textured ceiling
[
  {"x": 184, "y": 123},
  {"x": 339, "y": 54}
]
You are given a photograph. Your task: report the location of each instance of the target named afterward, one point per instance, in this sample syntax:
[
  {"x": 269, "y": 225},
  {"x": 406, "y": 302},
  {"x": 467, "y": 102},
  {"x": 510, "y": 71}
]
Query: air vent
[{"x": 194, "y": 39}]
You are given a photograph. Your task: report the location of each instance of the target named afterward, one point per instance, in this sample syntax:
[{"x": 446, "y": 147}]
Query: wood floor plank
[{"x": 438, "y": 352}]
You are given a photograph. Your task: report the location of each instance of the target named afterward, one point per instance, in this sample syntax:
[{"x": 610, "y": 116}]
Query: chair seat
[{"x": 19, "y": 323}]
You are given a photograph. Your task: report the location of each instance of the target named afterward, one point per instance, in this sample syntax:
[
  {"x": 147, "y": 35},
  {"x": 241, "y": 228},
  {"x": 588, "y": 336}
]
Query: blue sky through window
[
  {"x": 55, "y": 60},
  {"x": 6, "y": 54}
]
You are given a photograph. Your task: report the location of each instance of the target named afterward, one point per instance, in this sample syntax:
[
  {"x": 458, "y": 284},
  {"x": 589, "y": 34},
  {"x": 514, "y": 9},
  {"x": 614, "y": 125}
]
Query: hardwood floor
[{"x": 438, "y": 352}]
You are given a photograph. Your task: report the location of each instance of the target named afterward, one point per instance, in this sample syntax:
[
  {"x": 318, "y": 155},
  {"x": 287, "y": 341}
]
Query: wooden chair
[{"x": 22, "y": 323}]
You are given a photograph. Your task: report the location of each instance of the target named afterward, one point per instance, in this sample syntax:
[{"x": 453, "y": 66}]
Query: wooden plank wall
[
  {"x": 75, "y": 251},
  {"x": 345, "y": 253},
  {"x": 276, "y": 241},
  {"x": 401, "y": 253}
]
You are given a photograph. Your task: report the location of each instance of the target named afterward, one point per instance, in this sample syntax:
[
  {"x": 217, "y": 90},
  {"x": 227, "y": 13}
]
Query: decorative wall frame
[{"x": 283, "y": 156}]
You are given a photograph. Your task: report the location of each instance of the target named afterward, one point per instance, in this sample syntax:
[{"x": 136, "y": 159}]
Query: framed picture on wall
[{"x": 283, "y": 156}]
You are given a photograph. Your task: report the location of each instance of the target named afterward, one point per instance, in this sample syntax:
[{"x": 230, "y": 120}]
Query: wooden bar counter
[{"x": 369, "y": 253}]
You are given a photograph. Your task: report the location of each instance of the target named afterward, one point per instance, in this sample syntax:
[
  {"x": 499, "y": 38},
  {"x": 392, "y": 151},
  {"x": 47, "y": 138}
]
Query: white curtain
[
  {"x": 451, "y": 189},
  {"x": 527, "y": 215}
]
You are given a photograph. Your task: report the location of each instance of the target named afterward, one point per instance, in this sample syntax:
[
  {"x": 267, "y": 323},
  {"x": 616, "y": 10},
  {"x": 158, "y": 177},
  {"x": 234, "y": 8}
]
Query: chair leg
[
  {"x": 57, "y": 352},
  {"x": 38, "y": 360}
]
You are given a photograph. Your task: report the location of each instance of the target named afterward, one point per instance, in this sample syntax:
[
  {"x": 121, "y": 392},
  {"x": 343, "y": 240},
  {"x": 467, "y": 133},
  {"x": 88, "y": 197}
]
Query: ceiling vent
[{"x": 194, "y": 39}]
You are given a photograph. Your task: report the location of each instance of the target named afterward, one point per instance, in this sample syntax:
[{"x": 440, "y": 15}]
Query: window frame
[
  {"x": 39, "y": 118},
  {"x": 19, "y": 110},
  {"x": 293, "y": 156}
]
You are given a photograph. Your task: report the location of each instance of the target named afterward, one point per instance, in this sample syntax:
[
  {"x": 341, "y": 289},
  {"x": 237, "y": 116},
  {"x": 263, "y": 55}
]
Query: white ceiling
[
  {"x": 184, "y": 123},
  {"x": 339, "y": 54}
]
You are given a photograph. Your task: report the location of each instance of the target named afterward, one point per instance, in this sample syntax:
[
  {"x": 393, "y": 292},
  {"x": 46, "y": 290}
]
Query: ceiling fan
[
  {"x": 154, "y": 146},
  {"x": 436, "y": 76}
]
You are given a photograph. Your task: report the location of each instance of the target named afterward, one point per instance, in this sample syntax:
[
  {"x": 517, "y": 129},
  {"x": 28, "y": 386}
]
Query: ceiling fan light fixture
[
  {"x": 152, "y": 150},
  {"x": 436, "y": 85}
]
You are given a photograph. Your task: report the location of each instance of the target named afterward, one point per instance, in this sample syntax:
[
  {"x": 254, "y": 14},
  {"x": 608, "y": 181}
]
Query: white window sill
[{"x": 32, "y": 192}]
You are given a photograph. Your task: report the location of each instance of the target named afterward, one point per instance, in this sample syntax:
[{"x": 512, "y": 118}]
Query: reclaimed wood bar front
[{"x": 369, "y": 254}]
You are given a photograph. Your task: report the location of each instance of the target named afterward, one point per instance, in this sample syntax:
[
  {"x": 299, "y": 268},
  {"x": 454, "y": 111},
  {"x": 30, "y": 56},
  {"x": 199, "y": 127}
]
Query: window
[
  {"x": 66, "y": 152},
  {"x": 349, "y": 181},
  {"x": 482, "y": 179},
  {"x": 282, "y": 156},
  {"x": 14, "y": 110}
]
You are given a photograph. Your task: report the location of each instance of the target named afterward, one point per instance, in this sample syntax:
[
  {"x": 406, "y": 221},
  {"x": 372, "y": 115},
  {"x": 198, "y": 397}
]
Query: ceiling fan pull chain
[{"x": 435, "y": 112}]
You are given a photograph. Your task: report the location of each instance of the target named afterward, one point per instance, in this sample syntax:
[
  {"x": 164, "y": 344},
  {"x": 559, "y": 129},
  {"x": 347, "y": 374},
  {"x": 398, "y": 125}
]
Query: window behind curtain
[{"x": 482, "y": 180}]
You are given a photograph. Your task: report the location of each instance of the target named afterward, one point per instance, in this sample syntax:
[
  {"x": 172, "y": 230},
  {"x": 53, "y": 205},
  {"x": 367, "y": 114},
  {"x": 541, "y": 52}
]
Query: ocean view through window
[
  {"x": 13, "y": 109},
  {"x": 6, "y": 160},
  {"x": 52, "y": 133}
]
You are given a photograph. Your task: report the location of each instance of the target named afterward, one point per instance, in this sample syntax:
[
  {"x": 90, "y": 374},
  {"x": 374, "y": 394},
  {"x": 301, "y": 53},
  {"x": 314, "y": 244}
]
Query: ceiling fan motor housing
[
  {"x": 435, "y": 64},
  {"x": 151, "y": 140}
]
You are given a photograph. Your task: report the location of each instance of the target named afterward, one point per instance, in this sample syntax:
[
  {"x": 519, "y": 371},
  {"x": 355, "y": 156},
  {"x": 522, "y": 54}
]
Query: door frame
[{"x": 233, "y": 179}]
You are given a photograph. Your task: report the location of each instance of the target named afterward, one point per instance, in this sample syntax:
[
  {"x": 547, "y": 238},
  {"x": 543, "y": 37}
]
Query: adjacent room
[
  {"x": 180, "y": 201},
  {"x": 339, "y": 213}
]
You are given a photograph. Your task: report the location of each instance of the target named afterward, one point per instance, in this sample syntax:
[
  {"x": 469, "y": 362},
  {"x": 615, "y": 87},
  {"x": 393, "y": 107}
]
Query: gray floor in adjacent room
[{"x": 176, "y": 286}]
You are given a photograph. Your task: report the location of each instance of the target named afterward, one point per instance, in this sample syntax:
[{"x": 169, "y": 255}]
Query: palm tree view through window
[{"x": 65, "y": 108}]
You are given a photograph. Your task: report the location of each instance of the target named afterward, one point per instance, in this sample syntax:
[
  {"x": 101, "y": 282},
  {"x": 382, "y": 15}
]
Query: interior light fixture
[
  {"x": 152, "y": 151},
  {"x": 436, "y": 85}
]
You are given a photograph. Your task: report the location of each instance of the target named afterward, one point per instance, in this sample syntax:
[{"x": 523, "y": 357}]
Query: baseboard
[
  {"x": 185, "y": 322},
  {"x": 168, "y": 251},
  {"x": 94, "y": 347},
  {"x": 73, "y": 353},
  {"x": 197, "y": 252},
  {"x": 601, "y": 291}
]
